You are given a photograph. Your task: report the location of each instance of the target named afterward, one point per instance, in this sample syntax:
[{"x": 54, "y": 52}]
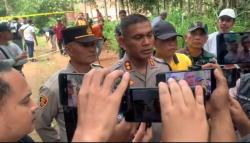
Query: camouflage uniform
[{"x": 204, "y": 58}]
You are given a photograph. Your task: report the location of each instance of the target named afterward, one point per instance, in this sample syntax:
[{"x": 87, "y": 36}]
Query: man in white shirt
[
  {"x": 28, "y": 33},
  {"x": 225, "y": 23}
]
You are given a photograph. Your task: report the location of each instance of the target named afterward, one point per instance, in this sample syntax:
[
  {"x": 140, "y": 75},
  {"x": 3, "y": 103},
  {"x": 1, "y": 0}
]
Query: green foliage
[{"x": 109, "y": 33}]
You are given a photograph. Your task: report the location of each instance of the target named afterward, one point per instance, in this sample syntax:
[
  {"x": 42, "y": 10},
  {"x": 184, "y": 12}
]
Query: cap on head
[
  {"x": 231, "y": 38},
  {"x": 198, "y": 25},
  {"x": 164, "y": 30},
  {"x": 78, "y": 34},
  {"x": 4, "y": 27},
  {"x": 228, "y": 12}
]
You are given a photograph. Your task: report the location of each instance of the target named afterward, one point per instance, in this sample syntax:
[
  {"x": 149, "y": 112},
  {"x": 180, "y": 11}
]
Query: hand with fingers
[
  {"x": 143, "y": 134},
  {"x": 98, "y": 104},
  {"x": 217, "y": 107},
  {"x": 239, "y": 117},
  {"x": 123, "y": 131},
  {"x": 183, "y": 114}
]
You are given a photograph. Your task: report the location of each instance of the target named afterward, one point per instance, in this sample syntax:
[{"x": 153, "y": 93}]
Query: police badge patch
[{"x": 43, "y": 101}]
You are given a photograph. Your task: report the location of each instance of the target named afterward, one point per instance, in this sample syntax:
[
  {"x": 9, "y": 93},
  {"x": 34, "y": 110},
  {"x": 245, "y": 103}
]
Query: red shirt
[
  {"x": 97, "y": 30},
  {"x": 58, "y": 31}
]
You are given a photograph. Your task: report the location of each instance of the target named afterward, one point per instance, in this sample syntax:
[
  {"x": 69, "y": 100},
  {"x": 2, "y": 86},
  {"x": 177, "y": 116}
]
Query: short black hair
[
  {"x": 4, "y": 86},
  {"x": 131, "y": 20},
  {"x": 122, "y": 11}
]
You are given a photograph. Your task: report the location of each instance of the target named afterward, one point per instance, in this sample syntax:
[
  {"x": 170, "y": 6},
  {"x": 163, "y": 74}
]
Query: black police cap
[{"x": 78, "y": 34}]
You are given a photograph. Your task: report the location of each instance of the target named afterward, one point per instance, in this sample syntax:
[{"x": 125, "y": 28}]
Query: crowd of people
[{"x": 148, "y": 49}]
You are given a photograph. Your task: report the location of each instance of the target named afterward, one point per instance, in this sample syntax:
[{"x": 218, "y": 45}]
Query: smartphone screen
[
  {"x": 231, "y": 75},
  {"x": 233, "y": 48},
  {"x": 69, "y": 87},
  {"x": 144, "y": 105},
  {"x": 203, "y": 78}
]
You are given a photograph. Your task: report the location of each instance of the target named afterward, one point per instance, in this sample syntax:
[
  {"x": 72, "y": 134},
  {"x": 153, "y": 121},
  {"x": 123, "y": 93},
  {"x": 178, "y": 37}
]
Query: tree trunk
[
  {"x": 127, "y": 4},
  {"x": 181, "y": 4},
  {"x": 121, "y": 4},
  {"x": 189, "y": 7},
  {"x": 164, "y": 5},
  {"x": 158, "y": 7},
  {"x": 116, "y": 10},
  {"x": 6, "y": 7},
  {"x": 85, "y": 7},
  {"x": 106, "y": 11}
]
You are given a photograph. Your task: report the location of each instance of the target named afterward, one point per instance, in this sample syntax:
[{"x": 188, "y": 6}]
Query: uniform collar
[
  {"x": 128, "y": 65},
  {"x": 70, "y": 68}
]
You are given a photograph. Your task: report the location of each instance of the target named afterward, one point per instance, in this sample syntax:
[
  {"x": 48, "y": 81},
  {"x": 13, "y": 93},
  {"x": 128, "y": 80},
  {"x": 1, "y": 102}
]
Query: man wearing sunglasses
[
  {"x": 195, "y": 39},
  {"x": 80, "y": 45},
  {"x": 225, "y": 24}
]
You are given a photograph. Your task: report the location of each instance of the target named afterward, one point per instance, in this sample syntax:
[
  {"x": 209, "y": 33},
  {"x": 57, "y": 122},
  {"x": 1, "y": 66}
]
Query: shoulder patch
[
  {"x": 128, "y": 65},
  {"x": 43, "y": 101}
]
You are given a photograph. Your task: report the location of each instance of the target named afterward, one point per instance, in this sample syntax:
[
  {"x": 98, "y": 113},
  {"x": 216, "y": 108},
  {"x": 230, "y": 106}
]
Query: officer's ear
[
  {"x": 121, "y": 41},
  {"x": 68, "y": 49}
]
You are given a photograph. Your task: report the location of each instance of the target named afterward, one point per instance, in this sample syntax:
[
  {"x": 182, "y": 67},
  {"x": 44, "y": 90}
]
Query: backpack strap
[{"x": 1, "y": 49}]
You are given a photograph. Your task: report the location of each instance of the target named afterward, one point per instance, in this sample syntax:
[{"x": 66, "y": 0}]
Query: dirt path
[{"x": 37, "y": 73}]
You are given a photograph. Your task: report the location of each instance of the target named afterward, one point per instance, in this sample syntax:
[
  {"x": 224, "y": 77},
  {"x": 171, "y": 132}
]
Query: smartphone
[
  {"x": 204, "y": 78},
  {"x": 143, "y": 105},
  {"x": 244, "y": 93},
  {"x": 69, "y": 87},
  {"x": 231, "y": 75},
  {"x": 233, "y": 48}
]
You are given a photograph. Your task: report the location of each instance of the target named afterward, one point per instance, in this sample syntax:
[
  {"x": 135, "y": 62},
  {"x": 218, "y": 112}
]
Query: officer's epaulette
[
  {"x": 117, "y": 65},
  {"x": 96, "y": 66}
]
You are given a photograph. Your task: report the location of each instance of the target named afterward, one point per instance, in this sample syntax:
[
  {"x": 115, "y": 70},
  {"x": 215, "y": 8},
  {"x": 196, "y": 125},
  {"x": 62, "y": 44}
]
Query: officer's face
[
  {"x": 82, "y": 53},
  {"x": 138, "y": 40},
  {"x": 166, "y": 48},
  {"x": 225, "y": 24},
  {"x": 196, "y": 39},
  {"x": 17, "y": 113}
]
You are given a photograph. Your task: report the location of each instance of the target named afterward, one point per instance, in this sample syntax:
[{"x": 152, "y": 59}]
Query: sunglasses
[{"x": 87, "y": 44}]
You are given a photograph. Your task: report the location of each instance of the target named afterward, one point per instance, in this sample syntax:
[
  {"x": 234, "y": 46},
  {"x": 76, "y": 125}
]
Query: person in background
[
  {"x": 166, "y": 47},
  {"x": 195, "y": 39},
  {"x": 99, "y": 15},
  {"x": 28, "y": 33},
  {"x": 162, "y": 17},
  {"x": 122, "y": 14},
  {"x": 10, "y": 53},
  {"x": 89, "y": 19},
  {"x": 58, "y": 31},
  {"x": 15, "y": 25},
  {"x": 245, "y": 53},
  {"x": 225, "y": 24},
  {"x": 80, "y": 20},
  {"x": 97, "y": 30}
]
